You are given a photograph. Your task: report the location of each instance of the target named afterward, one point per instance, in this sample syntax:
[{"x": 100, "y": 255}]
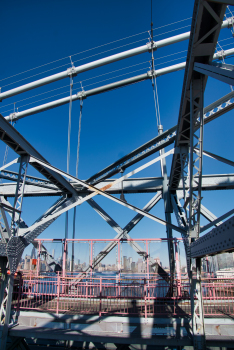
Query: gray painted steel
[
  {"x": 21, "y": 146},
  {"x": 219, "y": 240},
  {"x": 84, "y": 94},
  {"x": 102, "y": 62}
]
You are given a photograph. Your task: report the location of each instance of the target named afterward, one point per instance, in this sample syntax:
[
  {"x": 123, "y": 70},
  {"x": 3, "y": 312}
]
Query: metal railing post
[
  {"x": 58, "y": 293},
  {"x": 100, "y": 298},
  {"x": 145, "y": 296}
]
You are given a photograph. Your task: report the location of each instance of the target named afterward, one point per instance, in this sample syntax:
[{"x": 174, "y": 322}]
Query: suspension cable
[
  {"x": 78, "y": 143},
  {"x": 154, "y": 84},
  {"x": 97, "y": 47},
  {"x": 69, "y": 126},
  {"x": 77, "y": 165}
]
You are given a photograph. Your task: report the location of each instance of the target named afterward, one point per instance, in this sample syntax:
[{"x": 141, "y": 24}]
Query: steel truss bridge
[{"x": 180, "y": 190}]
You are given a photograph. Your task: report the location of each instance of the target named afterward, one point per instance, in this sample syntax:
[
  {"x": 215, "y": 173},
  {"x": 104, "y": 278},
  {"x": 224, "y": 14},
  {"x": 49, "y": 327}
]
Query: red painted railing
[{"x": 143, "y": 297}]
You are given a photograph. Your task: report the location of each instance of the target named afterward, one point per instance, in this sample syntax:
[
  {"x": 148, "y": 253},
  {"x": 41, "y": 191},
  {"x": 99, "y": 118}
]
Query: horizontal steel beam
[
  {"x": 216, "y": 221},
  {"x": 101, "y": 62},
  {"x": 137, "y": 185},
  {"x": 98, "y": 63},
  {"x": 103, "y": 192},
  {"x": 219, "y": 71},
  {"x": 219, "y": 240},
  {"x": 84, "y": 94},
  {"x": 35, "y": 181}
]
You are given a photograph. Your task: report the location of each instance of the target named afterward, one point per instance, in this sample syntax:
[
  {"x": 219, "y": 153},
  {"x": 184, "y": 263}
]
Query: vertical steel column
[
  {"x": 3, "y": 264},
  {"x": 199, "y": 340},
  {"x": 178, "y": 273},
  {"x": 19, "y": 193},
  {"x": 194, "y": 201},
  {"x": 5, "y": 312},
  {"x": 167, "y": 208},
  {"x": 8, "y": 280}
]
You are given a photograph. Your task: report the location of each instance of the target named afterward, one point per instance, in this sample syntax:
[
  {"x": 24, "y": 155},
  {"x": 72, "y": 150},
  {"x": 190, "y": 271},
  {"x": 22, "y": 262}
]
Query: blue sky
[{"x": 35, "y": 33}]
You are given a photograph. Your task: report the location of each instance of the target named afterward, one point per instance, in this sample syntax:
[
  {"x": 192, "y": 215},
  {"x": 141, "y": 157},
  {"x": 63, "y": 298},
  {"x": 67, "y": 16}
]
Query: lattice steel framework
[{"x": 181, "y": 192}]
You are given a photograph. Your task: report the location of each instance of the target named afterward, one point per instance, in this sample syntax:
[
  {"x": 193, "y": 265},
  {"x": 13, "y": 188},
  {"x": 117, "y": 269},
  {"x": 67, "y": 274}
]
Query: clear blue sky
[{"x": 34, "y": 33}]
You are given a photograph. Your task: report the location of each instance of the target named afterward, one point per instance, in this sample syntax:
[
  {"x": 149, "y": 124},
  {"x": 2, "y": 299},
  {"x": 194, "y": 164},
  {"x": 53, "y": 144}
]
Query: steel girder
[
  {"x": 214, "y": 110},
  {"x": 218, "y": 240},
  {"x": 17, "y": 142},
  {"x": 220, "y": 71},
  {"x": 201, "y": 47},
  {"x": 138, "y": 185},
  {"x": 124, "y": 234},
  {"x": 206, "y": 25},
  {"x": 102, "y": 191},
  {"x": 22, "y": 224}
]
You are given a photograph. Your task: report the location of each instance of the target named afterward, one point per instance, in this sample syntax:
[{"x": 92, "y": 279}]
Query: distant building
[
  {"x": 33, "y": 253},
  {"x": 125, "y": 263}
]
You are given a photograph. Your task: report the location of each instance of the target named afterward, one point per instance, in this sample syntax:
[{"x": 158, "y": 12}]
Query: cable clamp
[
  {"x": 82, "y": 95},
  {"x": 151, "y": 74},
  {"x": 12, "y": 116},
  {"x": 221, "y": 54},
  {"x": 71, "y": 71},
  {"x": 231, "y": 24},
  {"x": 151, "y": 46}
]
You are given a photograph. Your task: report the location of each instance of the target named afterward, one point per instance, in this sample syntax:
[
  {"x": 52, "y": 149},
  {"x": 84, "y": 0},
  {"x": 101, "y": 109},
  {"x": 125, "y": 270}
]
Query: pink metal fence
[
  {"x": 91, "y": 242},
  {"x": 143, "y": 297}
]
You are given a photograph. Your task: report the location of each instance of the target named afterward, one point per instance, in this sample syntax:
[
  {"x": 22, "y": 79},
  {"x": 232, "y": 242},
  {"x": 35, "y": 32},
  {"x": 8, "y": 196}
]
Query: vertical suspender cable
[
  {"x": 77, "y": 165},
  {"x": 68, "y": 158}
]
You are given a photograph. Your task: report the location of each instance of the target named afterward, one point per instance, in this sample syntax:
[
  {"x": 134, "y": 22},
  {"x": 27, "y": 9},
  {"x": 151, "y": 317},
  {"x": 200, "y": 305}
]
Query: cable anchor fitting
[
  {"x": 151, "y": 74},
  {"x": 231, "y": 24},
  {"x": 152, "y": 46},
  {"x": 81, "y": 95},
  {"x": 13, "y": 115},
  {"x": 71, "y": 72}
]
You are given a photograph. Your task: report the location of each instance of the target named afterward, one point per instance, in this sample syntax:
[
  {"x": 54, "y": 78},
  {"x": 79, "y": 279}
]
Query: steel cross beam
[
  {"x": 217, "y": 70},
  {"x": 17, "y": 142},
  {"x": 218, "y": 240},
  {"x": 211, "y": 112},
  {"x": 19, "y": 193},
  {"x": 22, "y": 224},
  {"x": 137, "y": 185},
  {"x": 182, "y": 222},
  {"x": 103, "y": 190},
  {"x": 124, "y": 234},
  {"x": 36, "y": 181}
]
